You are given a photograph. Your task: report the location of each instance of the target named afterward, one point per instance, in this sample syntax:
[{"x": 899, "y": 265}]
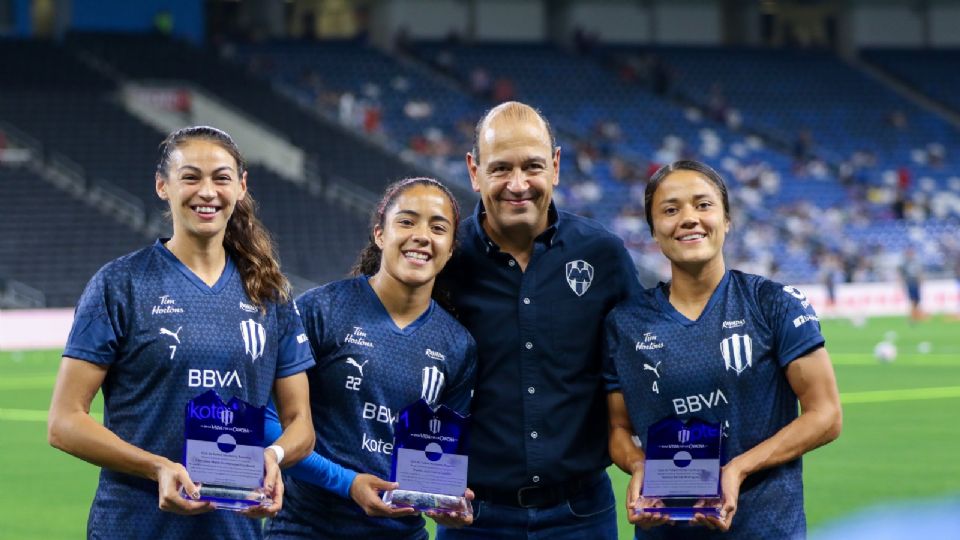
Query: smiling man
[{"x": 533, "y": 285}]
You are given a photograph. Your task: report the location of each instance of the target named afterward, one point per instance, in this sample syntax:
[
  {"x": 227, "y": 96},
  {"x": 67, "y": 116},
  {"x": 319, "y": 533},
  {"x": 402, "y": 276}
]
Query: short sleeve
[
  {"x": 792, "y": 319},
  {"x": 460, "y": 393},
  {"x": 611, "y": 340},
  {"x": 96, "y": 334},
  {"x": 294, "y": 353}
]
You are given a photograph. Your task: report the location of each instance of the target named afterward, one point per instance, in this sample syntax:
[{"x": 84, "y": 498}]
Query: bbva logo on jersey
[
  {"x": 579, "y": 276},
  {"x": 254, "y": 338},
  {"x": 737, "y": 352}
]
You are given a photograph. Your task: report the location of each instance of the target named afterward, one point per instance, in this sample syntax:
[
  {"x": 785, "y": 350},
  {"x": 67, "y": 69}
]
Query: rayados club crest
[
  {"x": 737, "y": 351},
  {"x": 579, "y": 276},
  {"x": 432, "y": 384},
  {"x": 254, "y": 338}
]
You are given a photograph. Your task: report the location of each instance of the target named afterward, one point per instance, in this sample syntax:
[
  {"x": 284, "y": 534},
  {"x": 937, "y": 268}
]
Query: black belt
[{"x": 537, "y": 496}]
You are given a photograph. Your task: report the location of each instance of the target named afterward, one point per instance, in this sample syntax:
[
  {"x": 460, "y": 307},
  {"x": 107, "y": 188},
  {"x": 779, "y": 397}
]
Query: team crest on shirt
[
  {"x": 579, "y": 276},
  {"x": 737, "y": 351},
  {"x": 254, "y": 338},
  {"x": 432, "y": 384}
]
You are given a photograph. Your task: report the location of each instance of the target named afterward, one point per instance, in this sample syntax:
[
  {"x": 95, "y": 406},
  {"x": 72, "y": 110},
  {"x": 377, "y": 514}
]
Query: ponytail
[{"x": 254, "y": 253}]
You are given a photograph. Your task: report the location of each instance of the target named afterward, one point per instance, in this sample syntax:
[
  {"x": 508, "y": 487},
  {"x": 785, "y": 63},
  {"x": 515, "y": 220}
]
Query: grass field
[{"x": 899, "y": 438}]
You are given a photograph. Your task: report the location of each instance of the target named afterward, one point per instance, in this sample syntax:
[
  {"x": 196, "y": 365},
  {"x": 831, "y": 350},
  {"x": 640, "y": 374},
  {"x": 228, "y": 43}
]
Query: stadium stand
[
  {"x": 110, "y": 149},
  {"x": 616, "y": 124},
  {"x": 930, "y": 71},
  {"x": 847, "y": 176},
  {"x": 53, "y": 242},
  {"x": 338, "y": 152}
]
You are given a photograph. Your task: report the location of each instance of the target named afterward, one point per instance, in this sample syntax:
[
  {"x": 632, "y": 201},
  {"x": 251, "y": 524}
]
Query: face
[
  {"x": 202, "y": 186},
  {"x": 516, "y": 173},
  {"x": 417, "y": 236},
  {"x": 688, "y": 219}
]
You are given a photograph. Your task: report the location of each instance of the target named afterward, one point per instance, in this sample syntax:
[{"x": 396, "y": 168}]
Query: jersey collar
[
  {"x": 228, "y": 270},
  {"x": 388, "y": 320},
  {"x": 662, "y": 295},
  {"x": 547, "y": 237}
]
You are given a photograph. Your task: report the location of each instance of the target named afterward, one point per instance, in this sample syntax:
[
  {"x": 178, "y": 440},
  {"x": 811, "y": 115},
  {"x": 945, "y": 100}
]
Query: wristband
[{"x": 278, "y": 450}]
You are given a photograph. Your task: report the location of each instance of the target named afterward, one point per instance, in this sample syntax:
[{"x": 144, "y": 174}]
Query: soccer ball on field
[{"x": 885, "y": 352}]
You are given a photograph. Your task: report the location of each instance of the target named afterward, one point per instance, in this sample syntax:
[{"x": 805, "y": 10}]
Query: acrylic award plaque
[
  {"x": 223, "y": 452},
  {"x": 682, "y": 469},
  {"x": 429, "y": 460}
]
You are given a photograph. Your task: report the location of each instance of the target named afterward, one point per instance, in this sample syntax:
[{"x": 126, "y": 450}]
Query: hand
[
  {"x": 730, "y": 479},
  {"x": 171, "y": 477},
  {"x": 272, "y": 487},
  {"x": 635, "y": 502},
  {"x": 365, "y": 491},
  {"x": 453, "y": 519}
]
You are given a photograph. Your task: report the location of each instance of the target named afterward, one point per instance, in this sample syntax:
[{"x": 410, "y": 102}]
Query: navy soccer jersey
[
  {"x": 367, "y": 371},
  {"x": 166, "y": 337},
  {"x": 728, "y": 366}
]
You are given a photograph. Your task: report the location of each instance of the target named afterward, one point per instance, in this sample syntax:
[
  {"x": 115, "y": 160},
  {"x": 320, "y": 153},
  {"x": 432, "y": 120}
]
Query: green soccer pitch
[{"x": 899, "y": 439}]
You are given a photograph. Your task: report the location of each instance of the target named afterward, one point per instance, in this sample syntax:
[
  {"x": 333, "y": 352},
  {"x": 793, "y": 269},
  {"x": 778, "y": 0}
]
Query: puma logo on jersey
[
  {"x": 654, "y": 369},
  {"x": 359, "y": 367},
  {"x": 174, "y": 335}
]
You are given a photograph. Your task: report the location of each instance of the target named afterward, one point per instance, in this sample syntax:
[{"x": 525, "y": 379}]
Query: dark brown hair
[
  {"x": 683, "y": 165},
  {"x": 368, "y": 262},
  {"x": 246, "y": 239}
]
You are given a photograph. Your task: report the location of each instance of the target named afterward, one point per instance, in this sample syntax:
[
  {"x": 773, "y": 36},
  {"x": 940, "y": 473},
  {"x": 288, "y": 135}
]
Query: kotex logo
[{"x": 211, "y": 412}]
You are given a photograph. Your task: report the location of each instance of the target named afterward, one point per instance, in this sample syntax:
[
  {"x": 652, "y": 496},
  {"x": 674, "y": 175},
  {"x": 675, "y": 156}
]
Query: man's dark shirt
[{"x": 539, "y": 409}]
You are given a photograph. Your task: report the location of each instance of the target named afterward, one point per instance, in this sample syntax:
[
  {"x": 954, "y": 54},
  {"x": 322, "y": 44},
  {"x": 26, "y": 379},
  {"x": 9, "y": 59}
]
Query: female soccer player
[
  {"x": 207, "y": 308},
  {"x": 381, "y": 344},
  {"x": 726, "y": 347}
]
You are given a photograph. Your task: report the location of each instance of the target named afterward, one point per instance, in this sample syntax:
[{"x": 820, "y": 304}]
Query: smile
[
  {"x": 418, "y": 256},
  {"x": 691, "y": 237},
  {"x": 206, "y": 212},
  {"x": 517, "y": 202}
]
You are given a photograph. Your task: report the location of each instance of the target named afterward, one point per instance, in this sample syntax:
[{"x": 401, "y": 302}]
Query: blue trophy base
[
  {"x": 231, "y": 498},
  {"x": 425, "y": 502},
  {"x": 682, "y": 509}
]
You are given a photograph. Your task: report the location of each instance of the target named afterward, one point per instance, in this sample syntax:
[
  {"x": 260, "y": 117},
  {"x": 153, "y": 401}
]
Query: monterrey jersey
[
  {"x": 368, "y": 370},
  {"x": 167, "y": 337},
  {"x": 728, "y": 366}
]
